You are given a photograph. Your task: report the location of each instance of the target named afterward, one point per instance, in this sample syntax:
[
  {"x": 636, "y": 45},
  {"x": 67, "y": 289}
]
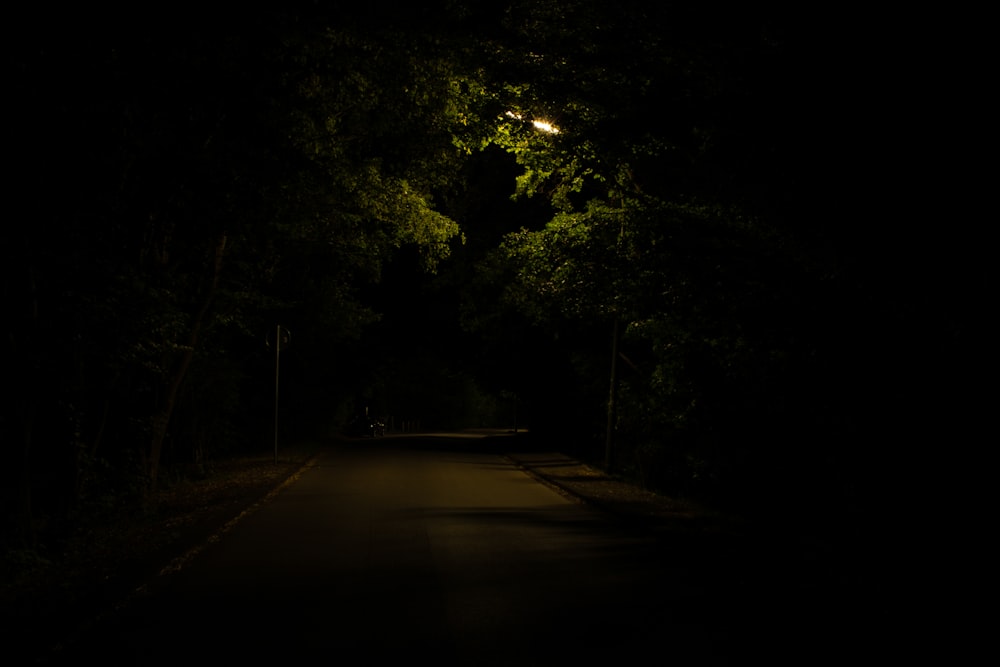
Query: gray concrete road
[{"x": 427, "y": 549}]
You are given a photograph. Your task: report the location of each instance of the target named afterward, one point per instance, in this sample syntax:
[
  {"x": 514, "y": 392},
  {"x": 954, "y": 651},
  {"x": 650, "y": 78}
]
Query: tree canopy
[{"x": 485, "y": 203}]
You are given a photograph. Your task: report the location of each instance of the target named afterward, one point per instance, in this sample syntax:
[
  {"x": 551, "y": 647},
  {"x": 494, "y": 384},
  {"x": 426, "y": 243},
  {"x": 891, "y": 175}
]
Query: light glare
[
  {"x": 540, "y": 125},
  {"x": 545, "y": 127}
]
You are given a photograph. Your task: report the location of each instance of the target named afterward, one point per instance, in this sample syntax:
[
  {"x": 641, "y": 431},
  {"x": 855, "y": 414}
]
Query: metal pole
[
  {"x": 277, "y": 356},
  {"x": 609, "y": 438},
  {"x": 612, "y": 399}
]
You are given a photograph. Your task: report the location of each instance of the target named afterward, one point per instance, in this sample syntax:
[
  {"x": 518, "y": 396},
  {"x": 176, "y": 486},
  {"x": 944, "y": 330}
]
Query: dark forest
[{"x": 701, "y": 249}]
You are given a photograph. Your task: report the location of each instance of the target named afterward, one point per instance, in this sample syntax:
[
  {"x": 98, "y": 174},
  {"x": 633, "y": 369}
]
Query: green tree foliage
[
  {"x": 185, "y": 186},
  {"x": 666, "y": 174}
]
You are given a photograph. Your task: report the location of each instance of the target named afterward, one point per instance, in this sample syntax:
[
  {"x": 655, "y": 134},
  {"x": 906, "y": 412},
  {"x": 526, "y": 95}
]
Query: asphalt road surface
[{"x": 428, "y": 549}]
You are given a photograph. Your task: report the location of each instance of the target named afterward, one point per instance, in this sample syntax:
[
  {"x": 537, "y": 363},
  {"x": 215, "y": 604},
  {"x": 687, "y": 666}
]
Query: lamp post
[
  {"x": 609, "y": 437},
  {"x": 281, "y": 338}
]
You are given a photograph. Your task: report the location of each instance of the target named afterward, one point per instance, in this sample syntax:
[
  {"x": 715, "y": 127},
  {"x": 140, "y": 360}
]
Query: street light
[
  {"x": 545, "y": 127},
  {"x": 540, "y": 125},
  {"x": 282, "y": 337}
]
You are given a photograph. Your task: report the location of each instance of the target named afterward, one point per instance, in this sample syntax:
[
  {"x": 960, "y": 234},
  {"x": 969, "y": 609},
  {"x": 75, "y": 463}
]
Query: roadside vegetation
[{"x": 662, "y": 238}]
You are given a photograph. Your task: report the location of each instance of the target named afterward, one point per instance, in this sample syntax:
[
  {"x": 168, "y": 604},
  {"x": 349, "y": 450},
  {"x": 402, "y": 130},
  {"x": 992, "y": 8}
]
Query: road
[{"x": 423, "y": 548}]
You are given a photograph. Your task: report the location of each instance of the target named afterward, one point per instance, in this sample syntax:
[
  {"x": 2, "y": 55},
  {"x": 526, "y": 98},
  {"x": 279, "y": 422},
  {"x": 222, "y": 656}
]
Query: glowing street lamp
[
  {"x": 540, "y": 125},
  {"x": 545, "y": 127}
]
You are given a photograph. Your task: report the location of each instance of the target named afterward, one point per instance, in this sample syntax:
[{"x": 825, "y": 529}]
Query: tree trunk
[
  {"x": 609, "y": 436},
  {"x": 22, "y": 354},
  {"x": 24, "y": 510},
  {"x": 85, "y": 454},
  {"x": 161, "y": 420}
]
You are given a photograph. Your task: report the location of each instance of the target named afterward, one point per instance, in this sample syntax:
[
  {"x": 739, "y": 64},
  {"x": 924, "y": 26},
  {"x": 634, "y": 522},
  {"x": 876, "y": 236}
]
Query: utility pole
[
  {"x": 281, "y": 338},
  {"x": 609, "y": 438}
]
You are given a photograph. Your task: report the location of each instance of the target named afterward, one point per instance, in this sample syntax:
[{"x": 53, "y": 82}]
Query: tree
[
  {"x": 211, "y": 178},
  {"x": 666, "y": 176}
]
